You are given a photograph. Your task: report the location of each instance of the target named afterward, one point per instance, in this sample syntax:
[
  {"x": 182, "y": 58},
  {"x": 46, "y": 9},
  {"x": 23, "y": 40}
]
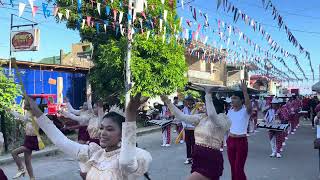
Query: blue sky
[{"x": 298, "y": 15}]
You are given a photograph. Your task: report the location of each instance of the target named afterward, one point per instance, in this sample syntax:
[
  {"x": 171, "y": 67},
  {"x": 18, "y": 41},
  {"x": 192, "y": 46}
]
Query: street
[{"x": 299, "y": 161}]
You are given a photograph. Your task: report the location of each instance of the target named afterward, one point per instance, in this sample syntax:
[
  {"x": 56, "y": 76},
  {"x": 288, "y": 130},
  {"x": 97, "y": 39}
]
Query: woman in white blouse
[
  {"x": 117, "y": 157},
  {"x": 209, "y": 133}
]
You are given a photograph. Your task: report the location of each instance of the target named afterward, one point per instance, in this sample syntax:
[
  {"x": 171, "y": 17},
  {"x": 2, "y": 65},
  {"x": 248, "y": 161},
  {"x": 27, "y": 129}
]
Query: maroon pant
[
  {"x": 237, "y": 154},
  {"x": 2, "y": 175},
  {"x": 190, "y": 141}
]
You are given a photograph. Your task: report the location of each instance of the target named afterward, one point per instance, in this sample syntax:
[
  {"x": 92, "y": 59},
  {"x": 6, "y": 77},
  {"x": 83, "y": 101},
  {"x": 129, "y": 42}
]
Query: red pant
[{"x": 237, "y": 155}]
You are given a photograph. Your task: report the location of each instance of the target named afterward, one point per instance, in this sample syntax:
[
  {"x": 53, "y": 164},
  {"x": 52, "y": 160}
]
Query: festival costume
[
  {"x": 209, "y": 133},
  {"x": 237, "y": 147},
  {"x": 125, "y": 163},
  {"x": 274, "y": 136},
  {"x": 30, "y": 139}
]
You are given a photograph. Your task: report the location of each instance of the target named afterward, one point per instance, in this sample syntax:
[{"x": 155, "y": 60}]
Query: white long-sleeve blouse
[{"x": 125, "y": 163}]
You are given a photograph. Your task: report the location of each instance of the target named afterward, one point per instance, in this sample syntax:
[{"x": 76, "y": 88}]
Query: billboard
[{"x": 25, "y": 40}]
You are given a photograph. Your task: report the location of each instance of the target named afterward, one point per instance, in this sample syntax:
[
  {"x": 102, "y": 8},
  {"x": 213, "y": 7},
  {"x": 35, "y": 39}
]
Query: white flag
[
  {"x": 240, "y": 35},
  {"x": 67, "y": 13},
  {"x": 83, "y": 23},
  {"x": 31, "y": 3},
  {"x": 230, "y": 28},
  {"x": 121, "y": 31},
  {"x": 163, "y": 38},
  {"x": 182, "y": 4},
  {"x": 120, "y": 16},
  {"x": 134, "y": 15},
  {"x": 165, "y": 13},
  {"x": 160, "y": 25},
  {"x": 98, "y": 7},
  {"x": 146, "y": 4},
  {"x": 105, "y": 27},
  {"x": 60, "y": 16},
  {"x": 162, "y": 1},
  {"x": 148, "y": 34},
  {"x": 21, "y": 8},
  {"x": 181, "y": 19},
  {"x": 228, "y": 42}
]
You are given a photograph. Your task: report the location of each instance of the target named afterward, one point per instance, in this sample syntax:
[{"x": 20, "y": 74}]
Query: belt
[{"x": 237, "y": 136}]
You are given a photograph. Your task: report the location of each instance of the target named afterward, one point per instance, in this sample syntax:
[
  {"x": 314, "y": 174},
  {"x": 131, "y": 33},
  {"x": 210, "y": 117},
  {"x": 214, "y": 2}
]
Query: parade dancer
[
  {"x": 30, "y": 144},
  {"x": 274, "y": 136},
  {"x": 89, "y": 119},
  {"x": 291, "y": 109},
  {"x": 237, "y": 143},
  {"x": 117, "y": 157},
  {"x": 2, "y": 175},
  {"x": 166, "y": 131},
  {"x": 82, "y": 116},
  {"x": 188, "y": 131},
  {"x": 209, "y": 133}
]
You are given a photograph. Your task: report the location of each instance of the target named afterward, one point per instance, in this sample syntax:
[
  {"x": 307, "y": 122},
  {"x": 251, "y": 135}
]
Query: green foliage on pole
[{"x": 158, "y": 67}]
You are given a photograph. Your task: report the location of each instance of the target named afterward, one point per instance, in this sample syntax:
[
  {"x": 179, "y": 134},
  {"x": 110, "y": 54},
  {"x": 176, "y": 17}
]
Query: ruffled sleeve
[
  {"x": 59, "y": 139},
  {"x": 133, "y": 161},
  {"x": 195, "y": 119}
]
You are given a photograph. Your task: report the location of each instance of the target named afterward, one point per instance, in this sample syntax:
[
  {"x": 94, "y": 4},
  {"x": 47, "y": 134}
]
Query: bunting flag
[
  {"x": 107, "y": 10},
  {"x": 105, "y": 28},
  {"x": 180, "y": 24},
  {"x": 83, "y": 23},
  {"x": 162, "y": 1},
  {"x": 34, "y": 10},
  {"x": 139, "y": 5},
  {"x": 165, "y": 13},
  {"x": 31, "y": 3},
  {"x": 120, "y": 16},
  {"x": 55, "y": 10},
  {"x": 160, "y": 25},
  {"x": 88, "y": 20},
  {"x": 21, "y": 8},
  {"x": 45, "y": 10},
  {"x": 79, "y": 6},
  {"x": 115, "y": 15},
  {"x": 182, "y": 4},
  {"x": 67, "y": 13},
  {"x": 60, "y": 16},
  {"x": 98, "y": 8},
  {"x": 148, "y": 34}
]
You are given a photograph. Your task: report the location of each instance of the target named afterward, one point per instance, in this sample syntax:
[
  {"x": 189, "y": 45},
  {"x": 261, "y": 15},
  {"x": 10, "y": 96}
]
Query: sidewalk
[{"x": 53, "y": 150}]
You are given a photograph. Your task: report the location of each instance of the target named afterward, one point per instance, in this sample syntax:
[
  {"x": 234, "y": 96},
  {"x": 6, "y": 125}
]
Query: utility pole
[{"x": 128, "y": 58}]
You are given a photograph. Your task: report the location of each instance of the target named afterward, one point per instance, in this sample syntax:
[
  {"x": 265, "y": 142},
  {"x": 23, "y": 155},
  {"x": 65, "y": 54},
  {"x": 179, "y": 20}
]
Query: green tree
[
  {"x": 158, "y": 67},
  {"x": 8, "y": 93}
]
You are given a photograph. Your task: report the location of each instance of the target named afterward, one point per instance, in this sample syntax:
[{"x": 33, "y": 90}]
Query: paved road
[{"x": 299, "y": 162}]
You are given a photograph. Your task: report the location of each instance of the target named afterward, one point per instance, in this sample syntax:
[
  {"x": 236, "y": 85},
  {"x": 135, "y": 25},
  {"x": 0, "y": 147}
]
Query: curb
[{"x": 53, "y": 150}]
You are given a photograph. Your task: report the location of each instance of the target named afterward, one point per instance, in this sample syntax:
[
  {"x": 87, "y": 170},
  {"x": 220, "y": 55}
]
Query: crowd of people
[{"x": 107, "y": 146}]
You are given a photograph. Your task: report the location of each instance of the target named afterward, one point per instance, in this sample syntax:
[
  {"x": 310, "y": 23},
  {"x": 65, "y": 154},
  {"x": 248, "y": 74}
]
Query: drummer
[{"x": 274, "y": 136}]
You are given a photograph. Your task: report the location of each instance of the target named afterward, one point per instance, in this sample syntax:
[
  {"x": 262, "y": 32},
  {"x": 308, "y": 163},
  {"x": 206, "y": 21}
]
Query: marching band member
[
  {"x": 117, "y": 157},
  {"x": 166, "y": 131},
  {"x": 237, "y": 143},
  {"x": 209, "y": 133},
  {"x": 254, "y": 114},
  {"x": 283, "y": 115},
  {"x": 274, "y": 136},
  {"x": 30, "y": 144},
  {"x": 2, "y": 175}
]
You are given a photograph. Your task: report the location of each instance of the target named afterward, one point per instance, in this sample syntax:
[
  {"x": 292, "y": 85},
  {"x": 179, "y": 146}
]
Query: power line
[{"x": 284, "y": 12}]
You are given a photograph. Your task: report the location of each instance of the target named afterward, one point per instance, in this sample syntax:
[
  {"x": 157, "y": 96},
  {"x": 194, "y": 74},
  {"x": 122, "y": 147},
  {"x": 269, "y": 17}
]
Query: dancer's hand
[{"x": 133, "y": 105}]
